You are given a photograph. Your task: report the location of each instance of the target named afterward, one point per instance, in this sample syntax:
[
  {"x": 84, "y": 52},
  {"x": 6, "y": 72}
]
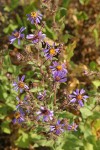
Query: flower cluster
[
  {"x": 36, "y": 107},
  {"x": 59, "y": 72}
]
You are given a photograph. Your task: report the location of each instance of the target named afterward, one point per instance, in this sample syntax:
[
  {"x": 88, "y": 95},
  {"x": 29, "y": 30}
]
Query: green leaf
[
  {"x": 72, "y": 142},
  {"x": 65, "y": 3},
  {"x": 70, "y": 50},
  {"x": 23, "y": 140},
  {"x": 96, "y": 83},
  {"x": 3, "y": 111},
  {"x": 9, "y": 28},
  {"x": 93, "y": 65},
  {"x": 86, "y": 112},
  {"x": 96, "y": 37},
  {"x": 50, "y": 33},
  {"x": 5, "y": 127},
  {"x": 88, "y": 146},
  {"x": 82, "y": 15}
]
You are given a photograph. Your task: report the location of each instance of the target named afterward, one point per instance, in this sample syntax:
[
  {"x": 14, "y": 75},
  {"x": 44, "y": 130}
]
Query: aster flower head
[
  {"x": 41, "y": 96},
  {"x": 51, "y": 51},
  {"x": 59, "y": 76},
  {"x": 58, "y": 67},
  {"x": 17, "y": 35},
  {"x": 18, "y": 117},
  {"x": 34, "y": 17},
  {"x": 58, "y": 128},
  {"x": 73, "y": 127},
  {"x": 36, "y": 38},
  {"x": 78, "y": 97},
  {"x": 45, "y": 114},
  {"x": 20, "y": 84}
]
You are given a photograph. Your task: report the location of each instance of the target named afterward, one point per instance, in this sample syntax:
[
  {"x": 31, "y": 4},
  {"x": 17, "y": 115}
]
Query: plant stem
[{"x": 55, "y": 92}]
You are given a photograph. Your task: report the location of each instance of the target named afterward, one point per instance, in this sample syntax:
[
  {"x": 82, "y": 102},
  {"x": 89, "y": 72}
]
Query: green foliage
[
  {"x": 13, "y": 5},
  {"x": 93, "y": 65},
  {"x": 96, "y": 37},
  {"x": 5, "y": 127},
  {"x": 82, "y": 15},
  {"x": 11, "y": 27},
  {"x": 70, "y": 50},
  {"x": 86, "y": 112}
]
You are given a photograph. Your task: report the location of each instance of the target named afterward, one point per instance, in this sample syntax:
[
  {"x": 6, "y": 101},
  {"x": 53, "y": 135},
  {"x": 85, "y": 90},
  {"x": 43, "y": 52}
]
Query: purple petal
[
  {"x": 52, "y": 128},
  {"x": 18, "y": 41},
  {"x": 85, "y": 97},
  {"x": 14, "y": 84},
  {"x": 12, "y": 40},
  {"x": 82, "y": 91},
  {"x": 22, "y": 78},
  {"x": 58, "y": 131},
  {"x": 21, "y": 90},
  {"x": 22, "y": 29},
  {"x": 77, "y": 91},
  {"x": 73, "y": 100},
  {"x": 30, "y": 36},
  {"x": 26, "y": 87},
  {"x": 81, "y": 103},
  {"x": 72, "y": 96}
]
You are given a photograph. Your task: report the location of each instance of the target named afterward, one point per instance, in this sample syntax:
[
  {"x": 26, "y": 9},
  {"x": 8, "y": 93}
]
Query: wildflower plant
[
  {"x": 37, "y": 107},
  {"x": 45, "y": 105}
]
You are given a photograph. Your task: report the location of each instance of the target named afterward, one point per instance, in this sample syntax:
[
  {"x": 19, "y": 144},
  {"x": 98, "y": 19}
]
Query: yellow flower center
[
  {"x": 17, "y": 115},
  {"x": 73, "y": 127},
  {"x": 79, "y": 97},
  {"x": 59, "y": 67},
  {"x": 16, "y": 34},
  {"x": 21, "y": 84},
  {"x": 52, "y": 51},
  {"x": 33, "y": 14}
]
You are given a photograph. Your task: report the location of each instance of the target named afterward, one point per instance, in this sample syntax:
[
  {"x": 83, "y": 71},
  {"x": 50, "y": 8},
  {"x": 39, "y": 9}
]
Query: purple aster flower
[
  {"x": 78, "y": 96},
  {"x": 73, "y": 127},
  {"x": 45, "y": 113},
  {"x": 20, "y": 84},
  {"x": 59, "y": 76},
  {"x": 58, "y": 67},
  {"x": 58, "y": 128},
  {"x": 41, "y": 96},
  {"x": 18, "y": 117},
  {"x": 36, "y": 38},
  {"x": 34, "y": 17},
  {"x": 17, "y": 35},
  {"x": 51, "y": 51}
]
